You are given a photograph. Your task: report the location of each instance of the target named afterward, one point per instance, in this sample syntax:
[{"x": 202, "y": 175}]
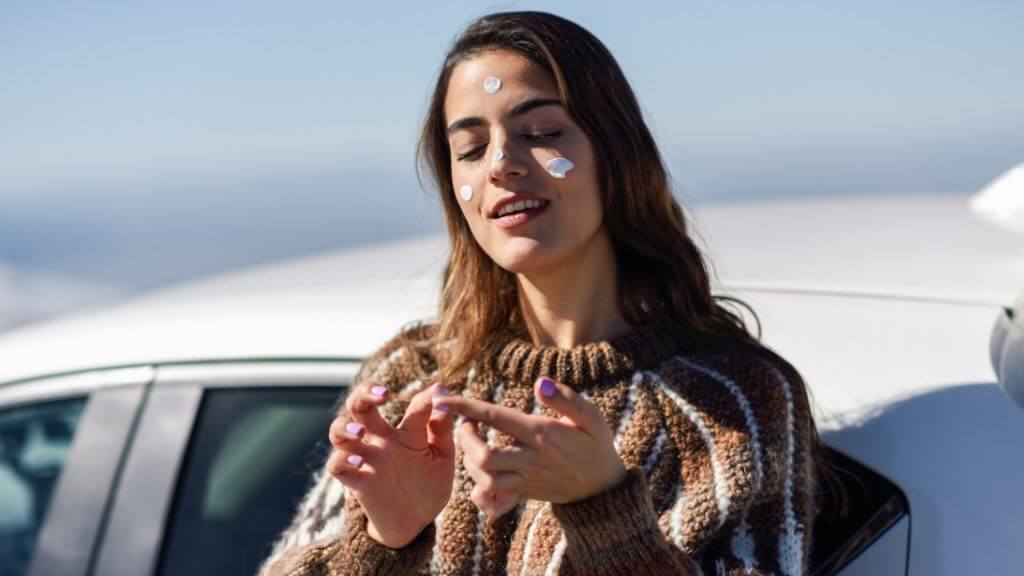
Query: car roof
[{"x": 344, "y": 304}]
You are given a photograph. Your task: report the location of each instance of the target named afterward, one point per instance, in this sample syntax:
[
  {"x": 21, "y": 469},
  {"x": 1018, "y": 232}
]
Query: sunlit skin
[
  {"x": 565, "y": 270},
  {"x": 564, "y": 264},
  {"x": 563, "y": 260}
]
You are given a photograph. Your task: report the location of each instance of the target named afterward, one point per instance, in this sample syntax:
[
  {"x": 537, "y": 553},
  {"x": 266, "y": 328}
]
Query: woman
[{"x": 613, "y": 416}]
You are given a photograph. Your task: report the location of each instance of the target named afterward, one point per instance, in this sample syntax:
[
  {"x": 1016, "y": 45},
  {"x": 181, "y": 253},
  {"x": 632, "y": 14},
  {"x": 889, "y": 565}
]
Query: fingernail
[
  {"x": 355, "y": 460},
  {"x": 547, "y": 387},
  {"x": 378, "y": 390},
  {"x": 354, "y": 428},
  {"x": 442, "y": 408}
]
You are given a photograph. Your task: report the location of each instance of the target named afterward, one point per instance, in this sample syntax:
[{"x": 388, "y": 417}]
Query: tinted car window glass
[
  {"x": 34, "y": 443},
  {"x": 250, "y": 460}
]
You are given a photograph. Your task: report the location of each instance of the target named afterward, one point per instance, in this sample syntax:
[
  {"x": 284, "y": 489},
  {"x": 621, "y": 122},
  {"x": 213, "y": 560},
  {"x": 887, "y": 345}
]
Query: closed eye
[
  {"x": 473, "y": 155},
  {"x": 543, "y": 137}
]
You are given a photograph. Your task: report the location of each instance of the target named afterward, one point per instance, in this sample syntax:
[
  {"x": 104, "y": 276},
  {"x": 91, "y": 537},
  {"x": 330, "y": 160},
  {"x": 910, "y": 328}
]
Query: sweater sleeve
[
  {"x": 328, "y": 533},
  {"x": 616, "y": 532},
  {"x": 718, "y": 522}
]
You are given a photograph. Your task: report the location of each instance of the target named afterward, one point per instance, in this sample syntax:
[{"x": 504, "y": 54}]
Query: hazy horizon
[{"x": 145, "y": 145}]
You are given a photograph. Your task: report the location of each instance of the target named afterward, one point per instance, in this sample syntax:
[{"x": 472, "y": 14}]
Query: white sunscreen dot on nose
[
  {"x": 499, "y": 154},
  {"x": 491, "y": 84},
  {"x": 557, "y": 167},
  {"x": 466, "y": 192}
]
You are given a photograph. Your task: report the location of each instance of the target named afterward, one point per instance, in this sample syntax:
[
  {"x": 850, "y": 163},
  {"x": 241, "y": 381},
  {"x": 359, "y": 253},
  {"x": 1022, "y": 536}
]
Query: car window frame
[
  {"x": 136, "y": 532},
  {"x": 70, "y": 528}
]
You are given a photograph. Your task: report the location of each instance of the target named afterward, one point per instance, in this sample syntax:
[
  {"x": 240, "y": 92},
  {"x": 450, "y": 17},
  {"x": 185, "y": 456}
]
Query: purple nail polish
[
  {"x": 378, "y": 390},
  {"x": 547, "y": 387},
  {"x": 355, "y": 460},
  {"x": 354, "y": 428}
]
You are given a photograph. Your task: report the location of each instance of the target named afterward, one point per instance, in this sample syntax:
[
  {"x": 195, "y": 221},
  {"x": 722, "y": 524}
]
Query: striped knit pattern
[{"x": 716, "y": 443}]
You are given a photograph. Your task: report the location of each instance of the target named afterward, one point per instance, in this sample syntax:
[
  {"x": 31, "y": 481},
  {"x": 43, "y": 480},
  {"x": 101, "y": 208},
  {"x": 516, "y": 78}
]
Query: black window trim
[{"x": 135, "y": 533}]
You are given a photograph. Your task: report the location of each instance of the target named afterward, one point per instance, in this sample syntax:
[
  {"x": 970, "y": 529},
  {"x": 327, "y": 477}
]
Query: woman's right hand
[{"x": 402, "y": 476}]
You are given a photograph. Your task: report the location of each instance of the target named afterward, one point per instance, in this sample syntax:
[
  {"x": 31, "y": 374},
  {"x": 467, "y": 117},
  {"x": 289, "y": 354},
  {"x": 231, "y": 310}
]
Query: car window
[
  {"x": 34, "y": 443},
  {"x": 250, "y": 460}
]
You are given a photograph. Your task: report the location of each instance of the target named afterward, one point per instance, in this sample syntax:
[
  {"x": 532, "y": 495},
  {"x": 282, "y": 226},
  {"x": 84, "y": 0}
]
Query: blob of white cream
[
  {"x": 491, "y": 84},
  {"x": 499, "y": 154},
  {"x": 558, "y": 166},
  {"x": 466, "y": 192}
]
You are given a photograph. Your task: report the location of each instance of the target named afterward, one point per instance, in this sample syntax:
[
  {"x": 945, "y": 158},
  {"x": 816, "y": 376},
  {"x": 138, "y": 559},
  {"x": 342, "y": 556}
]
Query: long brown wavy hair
[{"x": 662, "y": 276}]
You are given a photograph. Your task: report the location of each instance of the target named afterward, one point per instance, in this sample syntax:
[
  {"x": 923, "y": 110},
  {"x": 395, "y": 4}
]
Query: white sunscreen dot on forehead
[
  {"x": 557, "y": 167},
  {"x": 499, "y": 154},
  {"x": 491, "y": 84},
  {"x": 466, "y": 192}
]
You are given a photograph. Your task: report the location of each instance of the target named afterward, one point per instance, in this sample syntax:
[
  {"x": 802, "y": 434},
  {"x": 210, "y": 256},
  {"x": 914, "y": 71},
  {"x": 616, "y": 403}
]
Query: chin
[{"x": 522, "y": 256}]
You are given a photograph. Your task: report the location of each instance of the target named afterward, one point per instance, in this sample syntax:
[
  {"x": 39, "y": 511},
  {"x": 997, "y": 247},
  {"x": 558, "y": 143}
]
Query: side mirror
[{"x": 1007, "y": 349}]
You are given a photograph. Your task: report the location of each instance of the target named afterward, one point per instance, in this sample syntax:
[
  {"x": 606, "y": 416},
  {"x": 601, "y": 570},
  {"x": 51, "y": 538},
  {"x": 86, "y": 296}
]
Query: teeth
[{"x": 520, "y": 205}]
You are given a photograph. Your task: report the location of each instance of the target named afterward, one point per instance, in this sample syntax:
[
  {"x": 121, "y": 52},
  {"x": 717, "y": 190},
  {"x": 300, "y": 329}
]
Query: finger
[
  {"x": 344, "y": 431},
  {"x": 491, "y": 458},
  {"x": 417, "y": 414},
  {"x": 358, "y": 446},
  {"x": 348, "y": 467},
  {"x": 510, "y": 421},
  {"x": 494, "y": 505},
  {"x": 440, "y": 431},
  {"x": 494, "y": 482},
  {"x": 564, "y": 400},
  {"x": 362, "y": 406}
]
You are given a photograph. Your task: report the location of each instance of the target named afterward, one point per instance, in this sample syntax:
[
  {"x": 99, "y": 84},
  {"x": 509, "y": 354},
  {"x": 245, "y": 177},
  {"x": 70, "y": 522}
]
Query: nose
[{"x": 505, "y": 162}]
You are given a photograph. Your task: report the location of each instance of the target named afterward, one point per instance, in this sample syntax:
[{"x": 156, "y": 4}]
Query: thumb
[
  {"x": 567, "y": 402},
  {"x": 441, "y": 426},
  {"x": 417, "y": 413}
]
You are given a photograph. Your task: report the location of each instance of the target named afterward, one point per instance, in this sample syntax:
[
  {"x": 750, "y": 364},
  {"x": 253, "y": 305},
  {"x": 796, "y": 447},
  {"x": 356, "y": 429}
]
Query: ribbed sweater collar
[{"x": 587, "y": 364}]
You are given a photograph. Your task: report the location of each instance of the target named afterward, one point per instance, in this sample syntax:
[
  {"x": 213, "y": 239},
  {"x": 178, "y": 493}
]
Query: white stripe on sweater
[
  {"x": 721, "y": 487},
  {"x": 659, "y": 444},
  {"x": 386, "y": 364},
  {"x": 676, "y": 523},
  {"x": 540, "y": 506},
  {"x": 742, "y": 544},
  {"x": 332, "y": 528},
  {"x": 556, "y": 557},
  {"x": 627, "y": 412},
  {"x": 748, "y": 412},
  {"x": 478, "y": 549},
  {"x": 791, "y": 541},
  {"x": 409, "y": 390},
  {"x": 435, "y": 556},
  {"x": 481, "y": 518}
]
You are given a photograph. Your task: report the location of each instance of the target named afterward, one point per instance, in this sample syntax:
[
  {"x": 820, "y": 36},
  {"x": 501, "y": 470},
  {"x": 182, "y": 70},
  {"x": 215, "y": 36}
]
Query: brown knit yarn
[{"x": 719, "y": 479}]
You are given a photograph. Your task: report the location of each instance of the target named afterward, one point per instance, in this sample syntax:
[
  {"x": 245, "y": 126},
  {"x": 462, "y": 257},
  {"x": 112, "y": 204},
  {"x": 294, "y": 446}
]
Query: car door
[
  {"x": 62, "y": 439},
  {"x": 221, "y": 457}
]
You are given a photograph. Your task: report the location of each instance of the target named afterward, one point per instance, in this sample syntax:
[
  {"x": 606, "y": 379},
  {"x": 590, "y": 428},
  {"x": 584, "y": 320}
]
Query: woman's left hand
[{"x": 555, "y": 460}]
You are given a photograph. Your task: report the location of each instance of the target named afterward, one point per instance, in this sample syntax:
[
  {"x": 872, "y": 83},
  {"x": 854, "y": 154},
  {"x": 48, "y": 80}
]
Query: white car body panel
[{"x": 885, "y": 305}]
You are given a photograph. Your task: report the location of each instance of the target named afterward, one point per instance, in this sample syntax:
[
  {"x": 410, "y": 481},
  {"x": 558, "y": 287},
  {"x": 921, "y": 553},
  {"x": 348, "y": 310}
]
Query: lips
[{"x": 512, "y": 199}]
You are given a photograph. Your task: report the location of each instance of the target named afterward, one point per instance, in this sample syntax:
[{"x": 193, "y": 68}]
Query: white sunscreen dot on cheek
[
  {"x": 491, "y": 84},
  {"x": 466, "y": 192},
  {"x": 557, "y": 167}
]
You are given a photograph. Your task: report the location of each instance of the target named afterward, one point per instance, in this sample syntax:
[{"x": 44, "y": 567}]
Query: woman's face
[{"x": 501, "y": 143}]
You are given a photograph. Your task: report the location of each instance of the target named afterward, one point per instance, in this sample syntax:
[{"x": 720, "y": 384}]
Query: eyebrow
[{"x": 517, "y": 110}]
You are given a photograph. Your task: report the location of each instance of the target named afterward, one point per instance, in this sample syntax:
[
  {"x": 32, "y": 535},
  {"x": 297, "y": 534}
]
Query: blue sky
[{"x": 143, "y": 143}]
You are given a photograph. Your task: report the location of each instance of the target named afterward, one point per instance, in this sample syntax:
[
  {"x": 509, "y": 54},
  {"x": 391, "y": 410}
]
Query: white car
[{"x": 175, "y": 432}]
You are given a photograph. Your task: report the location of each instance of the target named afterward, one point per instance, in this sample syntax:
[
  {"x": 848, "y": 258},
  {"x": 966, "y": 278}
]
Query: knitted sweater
[{"x": 720, "y": 478}]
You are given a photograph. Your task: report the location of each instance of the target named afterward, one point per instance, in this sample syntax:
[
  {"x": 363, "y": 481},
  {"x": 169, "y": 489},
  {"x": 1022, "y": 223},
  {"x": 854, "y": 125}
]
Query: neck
[{"x": 575, "y": 301}]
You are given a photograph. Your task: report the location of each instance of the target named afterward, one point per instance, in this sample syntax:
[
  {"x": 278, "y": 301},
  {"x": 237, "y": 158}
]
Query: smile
[{"x": 514, "y": 218}]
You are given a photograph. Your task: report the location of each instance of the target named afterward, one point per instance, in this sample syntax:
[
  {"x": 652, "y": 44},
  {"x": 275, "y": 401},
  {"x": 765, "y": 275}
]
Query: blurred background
[{"x": 143, "y": 144}]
